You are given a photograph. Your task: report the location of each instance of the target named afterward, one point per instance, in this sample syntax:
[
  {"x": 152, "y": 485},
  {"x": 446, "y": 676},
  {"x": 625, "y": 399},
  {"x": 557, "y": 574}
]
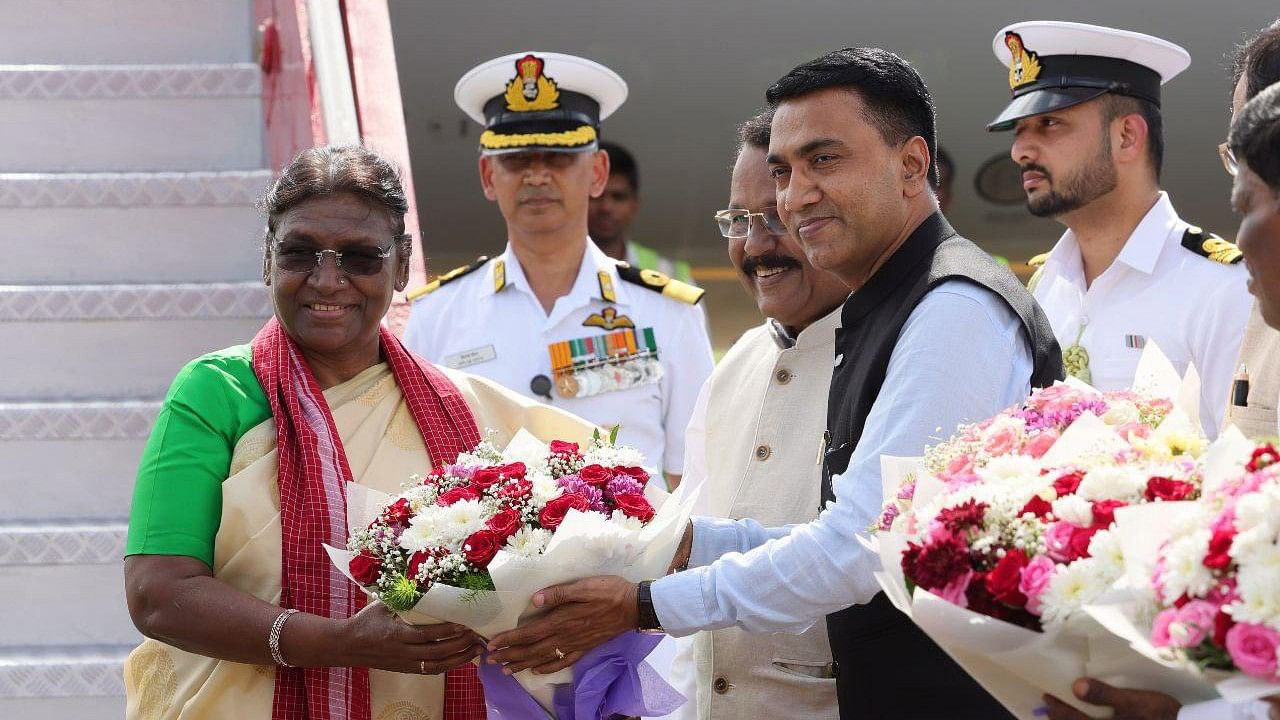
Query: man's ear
[
  {"x": 599, "y": 172},
  {"x": 915, "y": 166},
  {"x": 486, "y": 178},
  {"x": 1133, "y": 134}
]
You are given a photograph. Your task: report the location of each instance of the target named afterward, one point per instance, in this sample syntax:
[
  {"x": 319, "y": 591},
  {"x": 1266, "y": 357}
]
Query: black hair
[
  {"x": 1255, "y": 136},
  {"x": 1258, "y": 61},
  {"x": 1114, "y": 106},
  {"x": 622, "y": 162},
  {"x": 333, "y": 169},
  {"x": 755, "y": 132},
  {"x": 898, "y": 102}
]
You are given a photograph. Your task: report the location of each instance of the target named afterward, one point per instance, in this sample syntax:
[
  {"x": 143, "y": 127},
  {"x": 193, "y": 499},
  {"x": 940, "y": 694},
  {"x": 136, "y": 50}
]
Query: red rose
[
  {"x": 595, "y": 475},
  {"x": 638, "y": 474},
  {"x": 1104, "y": 512},
  {"x": 465, "y": 492},
  {"x": 1068, "y": 484},
  {"x": 634, "y": 505},
  {"x": 1078, "y": 545},
  {"x": 480, "y": 547},
  {"x": 486, "y": 477},
  {"x": 365, "y": 568},
  {"x": 560, "y": 447},
  {"x": 513, "y": 471},
  {"x": 1222, "y": 622},
  {"x": 1262, "y": 457},
  {"x": 398, "y": 512},
  {"x": 1002, "y": 581},
  {"x": 553, "y": 514},
  {"x": 415, "y": 563},
  {"x": 505, "y": 523},
  {"x": 516, "y": 490},
  {"x": 1037, "y": 506},
  {"x": 1219, "y": 556},
  {"x": 1163, "y": 488}
]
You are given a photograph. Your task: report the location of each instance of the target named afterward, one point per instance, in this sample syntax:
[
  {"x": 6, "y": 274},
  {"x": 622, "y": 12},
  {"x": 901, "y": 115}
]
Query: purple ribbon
[{"x": 611, "y": 680}]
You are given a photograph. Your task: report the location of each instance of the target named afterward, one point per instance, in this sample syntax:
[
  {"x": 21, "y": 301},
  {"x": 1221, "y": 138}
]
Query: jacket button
[
  {"x": 721, "y": 686},
  {"x": 783, "y": 376},
  {"x": 763, "y": 452}
]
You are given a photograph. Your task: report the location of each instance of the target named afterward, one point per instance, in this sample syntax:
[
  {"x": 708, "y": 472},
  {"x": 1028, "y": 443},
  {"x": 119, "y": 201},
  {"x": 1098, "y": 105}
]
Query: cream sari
[{"x": 383, "y": 447}]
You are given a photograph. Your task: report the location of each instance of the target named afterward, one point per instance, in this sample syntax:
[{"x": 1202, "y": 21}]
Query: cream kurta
[
  {"x": 1260, "y": 355},
  {"x": 766, "y": 410},
  {"x": 384, "y": 448}
]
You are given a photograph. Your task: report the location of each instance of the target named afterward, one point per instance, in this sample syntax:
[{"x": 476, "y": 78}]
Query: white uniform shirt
[
  {"x": 1194, "y": 308},
  {"x": 500, "y": 331}
]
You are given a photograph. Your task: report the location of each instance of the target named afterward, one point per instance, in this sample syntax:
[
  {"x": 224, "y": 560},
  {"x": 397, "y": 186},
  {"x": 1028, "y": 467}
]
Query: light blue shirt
[{"x": 962, "y": 357}]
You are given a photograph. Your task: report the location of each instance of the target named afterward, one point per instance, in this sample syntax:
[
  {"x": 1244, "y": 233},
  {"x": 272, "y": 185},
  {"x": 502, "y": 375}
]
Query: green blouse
[{"x": 177, "y": 501}]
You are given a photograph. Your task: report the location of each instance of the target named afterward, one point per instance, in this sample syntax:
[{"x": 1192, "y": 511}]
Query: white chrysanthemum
[
  {"x": 1254, "y": 510},
  {"x": 462, "y": 518},
  {"x": 425, "y": 530},
  {"x": 614, "y": 455},
  {"x": 1105, "y": 548},
  {"x": 1259, "y": 602},
  {"x": 528, "y": 542},
  {"x": 1184, "y": 570},
  {"x": 544, "y": 489},
  {"x": 1177, "y": 436},
  {"x": 625, "y": 522},
  {"x": 1074, "y": 509},
  {"x": 1071, "y": 587},
  {"x": 1010, "y": 468},
  {"x": 1120, "y": 412},
  {"x": 1112, "y": 483}
]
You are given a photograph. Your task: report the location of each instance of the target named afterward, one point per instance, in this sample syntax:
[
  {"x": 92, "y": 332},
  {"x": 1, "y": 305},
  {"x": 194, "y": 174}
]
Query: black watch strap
[{"x": 648, "y": 616}]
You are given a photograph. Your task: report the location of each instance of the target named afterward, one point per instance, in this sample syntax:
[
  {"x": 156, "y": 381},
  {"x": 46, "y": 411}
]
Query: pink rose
[
  {"x": 1057, "y": 541},
  {"x": 1253, "y": 649},
  {"x": 1160, "y": 628},
  {"x": 1002, "y": 442},
  {"x": 1035, "y": 579},
  {"x": 1041, "y": 444},
  {"x": 1193, "y": 625}
]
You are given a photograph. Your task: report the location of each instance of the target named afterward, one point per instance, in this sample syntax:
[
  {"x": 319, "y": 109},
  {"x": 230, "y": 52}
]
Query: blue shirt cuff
[{"x": 678, "y": 601}]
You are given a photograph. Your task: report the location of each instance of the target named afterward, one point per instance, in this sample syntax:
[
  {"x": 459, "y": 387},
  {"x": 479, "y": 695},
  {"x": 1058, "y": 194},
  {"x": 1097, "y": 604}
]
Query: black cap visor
[{"x": 1038, "y": 102}]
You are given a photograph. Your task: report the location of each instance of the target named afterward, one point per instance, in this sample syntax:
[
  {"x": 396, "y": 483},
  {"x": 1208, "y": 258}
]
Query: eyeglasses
[
  {"x": 1228, "y": 159},
  {"x": 355, "y": 260},
  {"x": 736, "y": 223}
]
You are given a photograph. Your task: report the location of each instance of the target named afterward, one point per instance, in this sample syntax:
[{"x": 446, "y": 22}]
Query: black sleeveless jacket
[{"x": 888, "y": 669}]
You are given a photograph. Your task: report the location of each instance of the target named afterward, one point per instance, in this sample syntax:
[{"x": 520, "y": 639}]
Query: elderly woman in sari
[{"x": 243, "y": 478}]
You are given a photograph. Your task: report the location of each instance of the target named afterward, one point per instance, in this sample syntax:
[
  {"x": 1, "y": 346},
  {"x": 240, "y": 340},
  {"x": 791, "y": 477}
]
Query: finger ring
[
  {"x": 559, "y": 654},
  {"x": 422, "y": 665}
]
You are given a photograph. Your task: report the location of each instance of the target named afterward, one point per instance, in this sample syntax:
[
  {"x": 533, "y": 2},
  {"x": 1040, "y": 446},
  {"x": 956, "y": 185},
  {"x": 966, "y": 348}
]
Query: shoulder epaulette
[
  {"x": 1038, "y": 260},
  {"x": 1211, "y": 246},
  {"x": 446, "y": 278},
  {"x": 660, "y": 282}
]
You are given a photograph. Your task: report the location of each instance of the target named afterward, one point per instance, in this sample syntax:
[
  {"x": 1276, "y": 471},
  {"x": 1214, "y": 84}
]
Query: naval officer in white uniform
[
  {"x": 553, "y": 316},
  {"x": 1087, "y": 131}
]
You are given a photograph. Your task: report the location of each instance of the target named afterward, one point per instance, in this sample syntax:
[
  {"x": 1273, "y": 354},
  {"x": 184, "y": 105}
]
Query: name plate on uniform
[
  {"x": 605, "y": 363},
  {"x": 467, "y": 358}
]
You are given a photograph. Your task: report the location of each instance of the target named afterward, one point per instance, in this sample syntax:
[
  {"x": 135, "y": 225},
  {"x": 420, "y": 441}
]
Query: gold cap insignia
[
  {"x": 1025, "y": 67},
  {"x": 530, "y": 90}
]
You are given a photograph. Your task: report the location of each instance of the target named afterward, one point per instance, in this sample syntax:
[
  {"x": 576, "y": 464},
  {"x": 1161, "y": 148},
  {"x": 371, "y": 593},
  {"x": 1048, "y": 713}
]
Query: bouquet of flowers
[
  {"x": 471, "y": 542},
  {"x": 998, "y": 537},
  {"x": 1212, "y": 576}
]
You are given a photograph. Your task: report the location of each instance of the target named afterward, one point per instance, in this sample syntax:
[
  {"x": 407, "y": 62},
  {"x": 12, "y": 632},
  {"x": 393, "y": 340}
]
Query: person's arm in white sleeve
[{"x": 687, "y": 365}]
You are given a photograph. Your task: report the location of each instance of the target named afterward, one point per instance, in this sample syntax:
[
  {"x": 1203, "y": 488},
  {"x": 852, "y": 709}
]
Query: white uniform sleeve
[
  {"x": 695, "y": 448},
  {"x": 1219, "y": 335},
  {"x": 688, "y": 364}
]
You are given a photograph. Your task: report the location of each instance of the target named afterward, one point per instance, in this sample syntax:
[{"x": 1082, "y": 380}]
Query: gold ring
[
  {"x": 422, "y": 666},
  {"x": 559, "y": 654}
]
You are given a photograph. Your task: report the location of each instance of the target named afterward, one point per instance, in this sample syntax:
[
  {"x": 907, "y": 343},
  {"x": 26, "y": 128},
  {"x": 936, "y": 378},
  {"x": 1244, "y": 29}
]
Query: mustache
[
  {"x": 1033, "y": 167},
  {"x": 768, "y": 260},
  {"x": 537, "y": 195}
]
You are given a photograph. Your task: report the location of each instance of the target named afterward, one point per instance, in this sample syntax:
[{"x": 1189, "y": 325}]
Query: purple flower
[
  {"x": 460, "y": 471},
  {"x": 575, "y": 484},
  {"x": 623, "y": 485}
]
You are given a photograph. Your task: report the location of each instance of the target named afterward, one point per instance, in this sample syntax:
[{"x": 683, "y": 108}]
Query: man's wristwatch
[{"x": 648, "y": 616}]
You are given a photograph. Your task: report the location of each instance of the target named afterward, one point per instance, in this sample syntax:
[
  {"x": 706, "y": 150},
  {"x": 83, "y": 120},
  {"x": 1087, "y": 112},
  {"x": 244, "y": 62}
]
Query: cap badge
[
  {"x": 1025, "y": 67},
  {"x": 530, "y": 90}
]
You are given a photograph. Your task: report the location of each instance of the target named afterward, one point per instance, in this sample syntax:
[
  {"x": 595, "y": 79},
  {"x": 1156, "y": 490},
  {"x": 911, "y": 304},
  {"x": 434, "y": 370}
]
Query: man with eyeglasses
[
  {"x": 553, "y": 316},
  {"x": 1085, "y": 112},
  {"x": 752, "y": 442}
]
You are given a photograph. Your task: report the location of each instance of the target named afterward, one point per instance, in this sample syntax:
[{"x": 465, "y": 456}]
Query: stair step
[
  {"x": 62, "y": 672},
  {"x": 171, "y": 117},
  {"x": 68, "y": 543},
  {"x": 152, "y": 31},
  {"x": 95, "y": 342},
  {"x": 234, "y": 188}
]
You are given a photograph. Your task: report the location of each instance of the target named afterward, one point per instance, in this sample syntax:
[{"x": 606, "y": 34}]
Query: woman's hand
[{"x": 376, "y": 638}]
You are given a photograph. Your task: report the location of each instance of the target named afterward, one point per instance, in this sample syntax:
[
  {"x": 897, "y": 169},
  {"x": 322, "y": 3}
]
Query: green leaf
[{"x": 613, "y": 434}]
